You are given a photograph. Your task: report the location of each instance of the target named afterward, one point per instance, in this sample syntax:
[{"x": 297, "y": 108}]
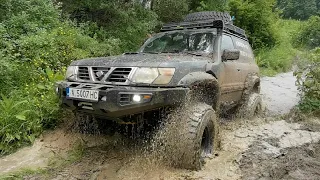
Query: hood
[
  {"x": 140, "y": 60},
  {"x": 183, "y": 63}
]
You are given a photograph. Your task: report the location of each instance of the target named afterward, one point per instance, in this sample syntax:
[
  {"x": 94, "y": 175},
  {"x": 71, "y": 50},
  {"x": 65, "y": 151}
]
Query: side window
[
  {"x": 245, "y": 50},
  {"x": 226, "y": 43}
]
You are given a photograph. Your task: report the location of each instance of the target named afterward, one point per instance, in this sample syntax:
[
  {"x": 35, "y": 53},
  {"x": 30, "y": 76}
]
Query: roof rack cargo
[{"x": 220, "y": 24}]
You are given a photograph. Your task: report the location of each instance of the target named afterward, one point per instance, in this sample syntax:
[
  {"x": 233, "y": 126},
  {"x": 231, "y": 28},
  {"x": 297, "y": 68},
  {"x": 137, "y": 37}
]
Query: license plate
[{"x": 85, "y": 94}]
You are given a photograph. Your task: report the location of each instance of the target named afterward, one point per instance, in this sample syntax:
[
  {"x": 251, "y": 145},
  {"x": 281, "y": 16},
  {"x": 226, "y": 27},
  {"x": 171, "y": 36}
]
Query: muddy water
[
  {"x": 114, "y": 158},
  {"x": 279, "y": 93}
]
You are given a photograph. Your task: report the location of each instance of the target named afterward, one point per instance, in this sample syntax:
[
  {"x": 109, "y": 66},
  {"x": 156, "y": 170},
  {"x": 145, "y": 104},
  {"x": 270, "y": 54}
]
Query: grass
[
  {"x": 22, "y": 174},
  {"x": 281, "y": 57}
]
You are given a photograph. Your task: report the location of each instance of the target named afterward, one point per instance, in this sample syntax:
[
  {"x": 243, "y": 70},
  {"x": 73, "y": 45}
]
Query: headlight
[
  {"x": 157, "y": 76},
  {"x": 71, "y": 73}
]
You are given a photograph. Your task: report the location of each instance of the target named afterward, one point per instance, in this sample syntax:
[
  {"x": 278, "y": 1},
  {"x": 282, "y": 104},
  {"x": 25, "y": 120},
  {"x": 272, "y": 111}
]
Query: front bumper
[{"x": 111, "y": 104}]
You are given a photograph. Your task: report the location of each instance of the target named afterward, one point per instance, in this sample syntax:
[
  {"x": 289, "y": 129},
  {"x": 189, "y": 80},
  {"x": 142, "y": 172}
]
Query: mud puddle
[
  {"x": 279, "y": 93},
  {"x": 250, "y": 149}
]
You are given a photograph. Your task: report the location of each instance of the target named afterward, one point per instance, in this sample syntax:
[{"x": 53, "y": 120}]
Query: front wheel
[{"x": 193, "y": 136}]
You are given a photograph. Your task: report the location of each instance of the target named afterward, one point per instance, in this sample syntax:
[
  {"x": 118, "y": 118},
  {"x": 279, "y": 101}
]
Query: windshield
[{"x": 179, "y": 42}]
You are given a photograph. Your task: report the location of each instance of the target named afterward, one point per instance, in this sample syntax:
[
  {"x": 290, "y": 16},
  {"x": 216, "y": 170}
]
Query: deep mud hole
[{"x": 262, "y": 148}]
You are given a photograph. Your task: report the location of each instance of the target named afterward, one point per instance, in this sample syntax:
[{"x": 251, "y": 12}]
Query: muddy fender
[
  {"x": 251, "y": 81},
  {"x": 204, "y": 88},
  {"x": 194, "y": 77}
]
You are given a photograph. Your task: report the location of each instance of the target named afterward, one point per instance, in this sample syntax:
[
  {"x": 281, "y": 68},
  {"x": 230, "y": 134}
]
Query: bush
[
  {"x": 207, "y": 5},
  {"x": 25, "y": 17},
  {"x": 18, "y": 124},
  {"x": 308, "y": 81},
  {"x": 258, "y": 19},
  {"x": 170, "y": 10},
  {"x": 298, "y": 9},
  {"x": 127, "y": 21},
  {"x": 309, "y": 34},
  {"x": 27, "y": 111},
  {"x": 280, "y": 58},
  {"x": 58, "y": 47},
  {"x": 35, "y": 50}
]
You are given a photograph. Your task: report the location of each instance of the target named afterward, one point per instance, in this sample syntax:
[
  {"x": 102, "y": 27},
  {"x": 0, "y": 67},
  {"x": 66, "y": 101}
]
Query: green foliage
[
  {"x": 280, "y": 57},
  {"x": 115, "y": 19},
  {"x": 24, "y": 17},
  {"x": 58, "y": 47},
  {"x": 27, "y": 110},
  {"x": 17, "y": 124},
  {"x": 298, "y": 9},
  {"x": 308, "y": 81},
  {"x": 309, "y": 34},
  {"x": 207, "y": 5},
  {"x": 170, "y": 10},
  {"x": 258, "y": 19},
  {"x": 35, "y": 50},
  {"x": 275, "y": 60}
]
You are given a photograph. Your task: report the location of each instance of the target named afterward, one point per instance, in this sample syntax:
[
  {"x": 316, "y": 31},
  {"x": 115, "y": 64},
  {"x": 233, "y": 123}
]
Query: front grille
[
  {"x": 111, "y": 75},
  {"x": 99, "y": 72},
  {"x": 124, "y": 99},
  {"x": 119, "y": 75},
  {"x": 83, "y": 73}
]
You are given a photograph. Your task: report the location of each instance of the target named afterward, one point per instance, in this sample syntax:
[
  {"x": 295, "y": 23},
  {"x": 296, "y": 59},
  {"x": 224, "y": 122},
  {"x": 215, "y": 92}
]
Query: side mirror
[{"x": 232, "y": 54}]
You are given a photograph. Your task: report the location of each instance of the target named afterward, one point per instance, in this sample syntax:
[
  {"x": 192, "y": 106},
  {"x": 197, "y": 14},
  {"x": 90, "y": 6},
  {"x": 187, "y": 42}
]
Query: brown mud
[{"x": 262, "y": 148}]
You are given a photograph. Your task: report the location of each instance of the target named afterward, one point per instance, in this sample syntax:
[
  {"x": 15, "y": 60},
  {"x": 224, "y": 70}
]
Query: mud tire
[
  {"x": 252, "y": 107},
  {"x": 203, "y": 133},
  {"x": 209, "y": 15},
  {"x": 198, "y": 138}
]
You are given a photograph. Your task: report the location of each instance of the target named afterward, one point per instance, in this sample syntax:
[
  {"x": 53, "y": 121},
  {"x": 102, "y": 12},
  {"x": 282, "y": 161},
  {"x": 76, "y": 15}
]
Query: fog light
[{"x": 136, "y": 98}]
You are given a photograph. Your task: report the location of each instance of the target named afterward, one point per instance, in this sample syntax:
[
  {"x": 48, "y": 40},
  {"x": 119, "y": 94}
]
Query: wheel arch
[
  {"x": 255, "y": 84},
  {"x": 204, "y": 87}
]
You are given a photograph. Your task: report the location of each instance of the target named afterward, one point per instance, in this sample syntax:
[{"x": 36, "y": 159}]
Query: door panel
[
  {"x": 231, "y": 85},
  {"x": 246, "y": 62}
]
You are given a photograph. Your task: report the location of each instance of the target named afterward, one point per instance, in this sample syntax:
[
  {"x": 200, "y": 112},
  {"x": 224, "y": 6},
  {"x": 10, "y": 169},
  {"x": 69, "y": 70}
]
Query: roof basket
[{"x": 220, "y": 24}]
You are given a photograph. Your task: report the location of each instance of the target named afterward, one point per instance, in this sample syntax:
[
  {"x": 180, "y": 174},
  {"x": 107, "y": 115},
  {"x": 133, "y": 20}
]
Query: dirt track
[{"x": 263, "y": 148}]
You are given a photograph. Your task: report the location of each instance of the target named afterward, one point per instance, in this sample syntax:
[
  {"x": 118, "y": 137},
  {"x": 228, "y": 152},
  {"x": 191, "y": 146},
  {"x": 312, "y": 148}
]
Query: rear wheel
[{"x": 252, "y": 106}]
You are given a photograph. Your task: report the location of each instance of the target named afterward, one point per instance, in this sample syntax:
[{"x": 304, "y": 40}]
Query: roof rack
[{"x": 220, "y": 24}]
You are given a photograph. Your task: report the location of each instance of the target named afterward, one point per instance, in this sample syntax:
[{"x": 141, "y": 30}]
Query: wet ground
[
  {"x": 262, "y": 148},
  {"x": 279, "y": 93}
]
